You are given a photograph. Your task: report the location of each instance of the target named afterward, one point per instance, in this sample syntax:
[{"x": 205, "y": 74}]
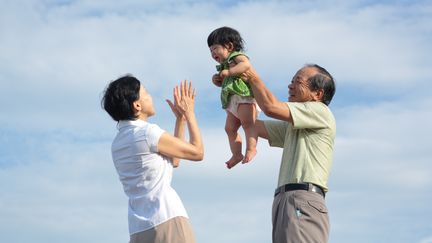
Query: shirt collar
[{"x": 125, "y": 123}]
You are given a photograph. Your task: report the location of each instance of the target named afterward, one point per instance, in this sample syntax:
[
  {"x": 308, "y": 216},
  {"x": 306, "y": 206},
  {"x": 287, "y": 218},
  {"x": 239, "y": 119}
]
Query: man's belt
[{"x": 299, "y": 186}]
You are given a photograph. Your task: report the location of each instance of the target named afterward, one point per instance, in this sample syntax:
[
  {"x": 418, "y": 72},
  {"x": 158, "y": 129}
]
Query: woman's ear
[{"x": 137, "y": 106}]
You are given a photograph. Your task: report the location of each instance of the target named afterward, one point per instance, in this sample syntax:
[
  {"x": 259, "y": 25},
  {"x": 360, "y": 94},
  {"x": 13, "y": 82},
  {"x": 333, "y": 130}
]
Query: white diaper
[{"x": 236, "y": 100}]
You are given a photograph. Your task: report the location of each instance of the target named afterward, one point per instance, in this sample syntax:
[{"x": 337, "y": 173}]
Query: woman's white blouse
[{"x": 145, "y": 174}]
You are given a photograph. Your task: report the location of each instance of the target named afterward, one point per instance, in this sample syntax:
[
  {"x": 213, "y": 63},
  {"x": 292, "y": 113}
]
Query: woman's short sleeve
[{"x": 154, "y": 132}]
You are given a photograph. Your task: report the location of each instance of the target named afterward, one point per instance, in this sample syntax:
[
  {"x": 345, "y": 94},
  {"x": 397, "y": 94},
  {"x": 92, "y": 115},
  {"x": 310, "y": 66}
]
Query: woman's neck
[{"x": 142, "y": 116}]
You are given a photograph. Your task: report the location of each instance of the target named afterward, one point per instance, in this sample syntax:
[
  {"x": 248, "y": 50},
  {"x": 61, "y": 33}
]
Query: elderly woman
[{"x": 144, "y": 156}]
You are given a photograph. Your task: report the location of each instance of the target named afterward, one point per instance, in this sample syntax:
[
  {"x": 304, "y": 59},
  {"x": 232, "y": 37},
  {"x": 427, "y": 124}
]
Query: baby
[{"x": 226, "y": 47}]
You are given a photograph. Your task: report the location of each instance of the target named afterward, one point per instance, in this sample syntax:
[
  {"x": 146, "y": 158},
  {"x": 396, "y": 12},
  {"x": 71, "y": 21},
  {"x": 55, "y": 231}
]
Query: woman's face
[{"x": 146, "y": 103}]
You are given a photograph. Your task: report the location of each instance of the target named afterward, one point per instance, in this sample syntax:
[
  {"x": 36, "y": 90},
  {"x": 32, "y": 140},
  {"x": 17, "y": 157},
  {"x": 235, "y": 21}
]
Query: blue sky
[{"x": 58, "y": 180}]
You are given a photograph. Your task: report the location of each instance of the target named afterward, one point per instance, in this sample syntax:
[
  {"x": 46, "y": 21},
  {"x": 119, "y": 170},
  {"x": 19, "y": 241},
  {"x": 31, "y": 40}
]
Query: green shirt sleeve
[
  {"x": 312, "y": 115},
  {"x": 276, "y": 131}
]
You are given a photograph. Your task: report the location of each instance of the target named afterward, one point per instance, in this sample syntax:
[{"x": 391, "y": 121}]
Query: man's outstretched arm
[{"x": 269, "y": 104}]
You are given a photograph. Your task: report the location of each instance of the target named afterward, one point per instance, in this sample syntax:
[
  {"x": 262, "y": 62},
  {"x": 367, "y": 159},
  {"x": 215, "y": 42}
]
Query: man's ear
[{"x": 318, "y": 95}]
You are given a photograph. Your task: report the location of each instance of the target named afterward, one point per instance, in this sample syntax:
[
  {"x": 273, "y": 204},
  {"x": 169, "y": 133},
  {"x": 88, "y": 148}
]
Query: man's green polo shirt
[{"x": 307, "y": 143}]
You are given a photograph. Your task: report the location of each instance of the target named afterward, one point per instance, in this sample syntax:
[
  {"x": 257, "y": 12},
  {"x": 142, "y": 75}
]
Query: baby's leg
[
  {"x": 232, "y": 125},
  {"x": 247, "y": 116}
]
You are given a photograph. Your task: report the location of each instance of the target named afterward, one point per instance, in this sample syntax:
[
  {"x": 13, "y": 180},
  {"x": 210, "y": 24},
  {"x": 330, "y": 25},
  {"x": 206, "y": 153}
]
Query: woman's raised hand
[
  {"x": 174, "y": 109},
  {"x": 184, "y": 98},
  {"x": 175, "y": 146}
]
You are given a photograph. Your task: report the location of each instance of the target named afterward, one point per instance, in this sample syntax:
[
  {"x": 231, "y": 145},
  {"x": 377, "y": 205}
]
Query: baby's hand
[
  {"x": 217, "y": 80},
  {"x": 224, "y": 73}
]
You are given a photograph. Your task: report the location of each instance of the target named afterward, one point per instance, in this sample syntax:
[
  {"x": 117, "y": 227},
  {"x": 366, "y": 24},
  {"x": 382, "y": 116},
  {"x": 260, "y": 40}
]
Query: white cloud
[
  {"x": 72, "y": 191},
  {"x": 54, "y": 54},
  {"x": 74, "y": 188},
  {"x": 57, "y": 58},
  {"x": 381, "y": 171},
  {"x": 388, "y": 142},
  {"x": 426, "y": 240},
  {"x": 77, "y": 180}
]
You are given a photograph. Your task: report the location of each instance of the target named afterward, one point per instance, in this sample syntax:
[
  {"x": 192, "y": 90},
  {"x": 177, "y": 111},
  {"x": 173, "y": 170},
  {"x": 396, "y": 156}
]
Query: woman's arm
[
  {"x": 178, "y": 149},
  {"x": 178, "y": 130},
  {"x": 179, "y": 133},
  {"x": 174, "y": 147}
]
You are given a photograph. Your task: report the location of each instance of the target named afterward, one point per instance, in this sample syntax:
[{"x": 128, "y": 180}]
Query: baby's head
[{"x": 226, "y": 38}]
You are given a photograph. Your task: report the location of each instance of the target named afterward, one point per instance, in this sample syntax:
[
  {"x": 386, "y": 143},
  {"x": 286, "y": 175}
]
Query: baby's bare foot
[
  {"x": 235, "y": 159},
  {"x": 250, "y": 154}
]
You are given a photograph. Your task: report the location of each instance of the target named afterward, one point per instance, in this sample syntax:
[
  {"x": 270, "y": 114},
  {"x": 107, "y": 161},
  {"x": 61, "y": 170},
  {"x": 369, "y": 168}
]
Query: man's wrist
[{"x": 253, "y": 78}]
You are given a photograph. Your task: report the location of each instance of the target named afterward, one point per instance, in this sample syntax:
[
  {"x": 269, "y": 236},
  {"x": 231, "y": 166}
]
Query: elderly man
[{"x": 305, "y": 128}]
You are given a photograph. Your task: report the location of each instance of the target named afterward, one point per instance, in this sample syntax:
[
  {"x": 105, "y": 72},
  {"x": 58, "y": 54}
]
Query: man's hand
[{"x": 250, "y": 74}]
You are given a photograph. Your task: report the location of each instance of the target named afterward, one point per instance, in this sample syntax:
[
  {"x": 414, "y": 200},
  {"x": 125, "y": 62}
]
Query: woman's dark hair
[
  {"x": 322, "y": 80},
  {"x": 119, "y": 96},
  {"x": 225, "y": 35}
]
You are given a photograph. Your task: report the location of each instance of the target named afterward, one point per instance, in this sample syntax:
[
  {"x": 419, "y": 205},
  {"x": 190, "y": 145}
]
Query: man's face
[{"x": 299, "y": 90}]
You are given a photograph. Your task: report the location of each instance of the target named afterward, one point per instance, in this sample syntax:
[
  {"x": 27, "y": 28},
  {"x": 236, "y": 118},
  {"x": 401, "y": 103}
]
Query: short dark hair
[
  {"x": 225, "y": 35},
  {"x": 322, "y": 80},
  {"x": 119, "y": 96}
]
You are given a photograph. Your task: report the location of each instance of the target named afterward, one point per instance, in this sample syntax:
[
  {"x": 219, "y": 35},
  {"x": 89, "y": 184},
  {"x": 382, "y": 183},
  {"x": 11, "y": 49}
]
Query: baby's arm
[{"x": 241, "y": 66}]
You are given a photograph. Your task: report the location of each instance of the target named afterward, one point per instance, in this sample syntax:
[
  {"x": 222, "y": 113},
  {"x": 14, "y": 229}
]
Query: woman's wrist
[
  {"x": 189, "y": 116},
  {"x": 181, "y": 119}
]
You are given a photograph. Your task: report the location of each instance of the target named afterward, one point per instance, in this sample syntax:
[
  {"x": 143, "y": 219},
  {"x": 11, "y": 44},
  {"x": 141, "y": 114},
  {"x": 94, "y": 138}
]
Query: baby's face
[{"x": 219, "y": 52}]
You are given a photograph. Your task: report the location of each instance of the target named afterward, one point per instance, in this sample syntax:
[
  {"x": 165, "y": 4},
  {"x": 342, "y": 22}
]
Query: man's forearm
[
  {"x": 268, "y": 103},
  {"x": 262, "y": 94}
]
